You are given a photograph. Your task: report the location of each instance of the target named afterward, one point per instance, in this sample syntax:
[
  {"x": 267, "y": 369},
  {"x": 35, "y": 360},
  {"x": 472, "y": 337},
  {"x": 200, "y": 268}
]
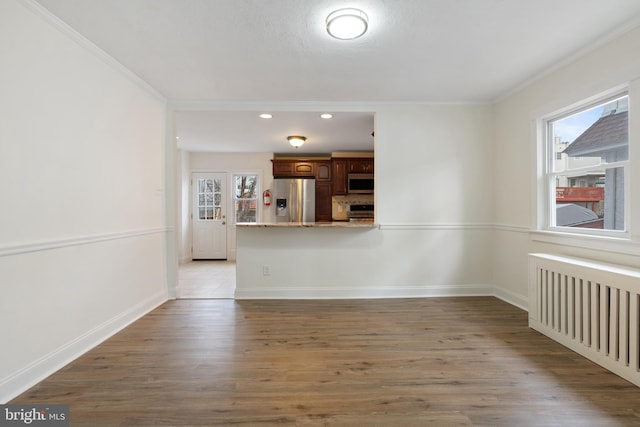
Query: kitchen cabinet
[
  {"x": 323, "y": 190},
  {"x": 361, "y": 165},
  {"x": 323, "y": 170},
  {"x": 293, "y": 169},
  {"x": 342, "y": 167},
  {"x": 339, "y": 169},
  {"x": 330, "y": 174},
  {"x": 323, "y": 201}
]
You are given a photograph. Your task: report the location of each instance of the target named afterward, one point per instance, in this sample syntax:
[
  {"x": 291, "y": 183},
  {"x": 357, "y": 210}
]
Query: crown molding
[
  {"x": 621, "y": 30},
  {"x": 89, "y": 46}
]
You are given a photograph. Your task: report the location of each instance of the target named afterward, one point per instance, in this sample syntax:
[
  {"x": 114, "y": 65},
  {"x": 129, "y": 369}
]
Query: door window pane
[{"x": 208, "y": 198}]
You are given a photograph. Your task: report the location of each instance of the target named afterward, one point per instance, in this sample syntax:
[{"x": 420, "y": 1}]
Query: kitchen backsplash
[{"x": 340, "y": 204}]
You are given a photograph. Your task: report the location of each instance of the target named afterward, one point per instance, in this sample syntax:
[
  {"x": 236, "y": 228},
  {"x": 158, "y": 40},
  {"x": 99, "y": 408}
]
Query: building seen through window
[
  {"x": 245, "y": 189},
  {"x": 589, "y": 153}
]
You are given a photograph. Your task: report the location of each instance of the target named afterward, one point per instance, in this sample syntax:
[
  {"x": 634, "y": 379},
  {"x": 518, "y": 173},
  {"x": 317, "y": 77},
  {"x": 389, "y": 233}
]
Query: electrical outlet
[{"x": 266, "y": 270}]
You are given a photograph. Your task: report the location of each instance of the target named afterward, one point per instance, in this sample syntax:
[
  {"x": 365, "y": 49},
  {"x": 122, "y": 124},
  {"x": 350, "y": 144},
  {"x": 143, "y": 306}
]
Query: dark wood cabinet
[
  {"x": 361, "y": 165},
  {"x": 323, "y": 191},
  {"x": 323, "y": 170},
  {"x": 339, "y": 169},
  {"x": 293, "y": 169},
  {"x": 323, "y": 201},
  {"x": 330, "y": 175}
]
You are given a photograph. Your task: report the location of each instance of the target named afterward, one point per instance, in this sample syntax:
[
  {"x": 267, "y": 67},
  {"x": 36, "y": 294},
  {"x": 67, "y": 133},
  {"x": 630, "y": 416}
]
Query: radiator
[{"x": 589, "y": 307}]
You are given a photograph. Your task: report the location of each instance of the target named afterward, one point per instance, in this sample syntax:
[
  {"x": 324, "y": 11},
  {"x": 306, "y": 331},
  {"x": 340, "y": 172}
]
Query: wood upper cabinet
[
  {"x": 339, "y": 169},
  {"x": 361, "y": 165},
  {"x": 293, "y": 169},
  {"x": 323, "y": 170}
]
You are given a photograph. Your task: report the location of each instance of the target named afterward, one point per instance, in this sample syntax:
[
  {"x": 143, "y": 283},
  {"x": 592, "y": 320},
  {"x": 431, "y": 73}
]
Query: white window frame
[
  {"x": 547, "y": 178},
  {"x": 232, "y": 193}
]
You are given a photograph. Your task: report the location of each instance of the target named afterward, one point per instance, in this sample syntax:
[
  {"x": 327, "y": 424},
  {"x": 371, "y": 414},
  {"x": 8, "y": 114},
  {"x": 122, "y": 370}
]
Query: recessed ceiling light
[
  {"x": 347, "y": 24},
  {"x": 326, "y": 116},
  {"x": 266, "y": 116}
]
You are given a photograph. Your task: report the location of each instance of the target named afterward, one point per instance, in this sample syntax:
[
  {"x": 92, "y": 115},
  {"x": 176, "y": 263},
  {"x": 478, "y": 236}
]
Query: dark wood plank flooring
[{"x": 395, "y": 362}]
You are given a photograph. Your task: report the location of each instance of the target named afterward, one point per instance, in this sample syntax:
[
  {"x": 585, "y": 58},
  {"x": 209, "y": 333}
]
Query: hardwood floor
[{"x": 409, "y": 362}]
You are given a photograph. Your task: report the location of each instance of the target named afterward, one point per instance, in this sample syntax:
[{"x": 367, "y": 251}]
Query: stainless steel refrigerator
[{"x": 295, "y": 199}]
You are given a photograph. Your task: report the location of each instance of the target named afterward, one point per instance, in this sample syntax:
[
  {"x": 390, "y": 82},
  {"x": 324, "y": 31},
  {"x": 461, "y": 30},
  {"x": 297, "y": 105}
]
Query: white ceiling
[
  {"x": 250, "y": 53},
  {"x": 244, "y": 131}
]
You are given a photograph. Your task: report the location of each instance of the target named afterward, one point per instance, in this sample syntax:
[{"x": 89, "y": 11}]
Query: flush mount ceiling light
[
  {"x": 266, "y": 116},
  {"x": 296, "y": 141},
  {"x": 347, "y": 24},
  {"x": 326, "y": 116}
]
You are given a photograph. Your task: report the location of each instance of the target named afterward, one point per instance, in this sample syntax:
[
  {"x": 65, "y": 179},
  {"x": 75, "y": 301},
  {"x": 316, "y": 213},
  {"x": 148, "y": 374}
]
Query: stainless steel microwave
[{"x": 360, "y": 183}]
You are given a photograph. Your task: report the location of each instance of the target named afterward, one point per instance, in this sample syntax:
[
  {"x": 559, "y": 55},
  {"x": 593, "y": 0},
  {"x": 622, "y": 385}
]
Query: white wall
[
  {"x": 229, "y": 163},
  {"x": 434, "y": 205},
  {"x": 183, "y": 186},
  {"x": 609, "y": 66},
  {"x": 434, "y": 165},
  {"x": 84, "y": 223},
  {"x": 82, "y": 241}
]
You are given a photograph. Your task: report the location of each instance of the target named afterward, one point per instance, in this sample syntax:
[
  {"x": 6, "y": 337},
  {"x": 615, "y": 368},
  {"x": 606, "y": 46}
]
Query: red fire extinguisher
[{"x": 266, "y": 197}]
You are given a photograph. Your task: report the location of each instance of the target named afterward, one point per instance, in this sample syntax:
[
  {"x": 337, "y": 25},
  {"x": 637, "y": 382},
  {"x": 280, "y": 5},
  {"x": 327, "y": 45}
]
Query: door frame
[{"x": 224, "y": 212}]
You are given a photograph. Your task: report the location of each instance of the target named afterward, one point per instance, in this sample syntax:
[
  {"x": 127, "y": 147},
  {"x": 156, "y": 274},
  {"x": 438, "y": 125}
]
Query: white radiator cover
[{"x": 589, "y": 307}]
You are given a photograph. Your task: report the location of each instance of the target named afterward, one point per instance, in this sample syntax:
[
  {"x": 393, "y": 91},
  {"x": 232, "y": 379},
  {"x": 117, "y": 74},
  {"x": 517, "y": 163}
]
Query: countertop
[{"x": 335, "y": 224}]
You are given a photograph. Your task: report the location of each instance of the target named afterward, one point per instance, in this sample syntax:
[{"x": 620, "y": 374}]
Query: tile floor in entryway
[{"x": 206, "y": 279}]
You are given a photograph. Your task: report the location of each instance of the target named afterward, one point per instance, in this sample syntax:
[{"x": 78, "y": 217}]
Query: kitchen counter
[{"x": 335, "y": 224}]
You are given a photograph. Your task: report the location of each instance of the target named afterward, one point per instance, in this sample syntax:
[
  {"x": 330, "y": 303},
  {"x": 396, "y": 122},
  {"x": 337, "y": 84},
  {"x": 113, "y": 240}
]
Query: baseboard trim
[
  {"x": 30, "y": 375},
  {"x": 386, "y": 292},
  {"x": 512, "y": 298},
  {"x": 364, "y": 293}
]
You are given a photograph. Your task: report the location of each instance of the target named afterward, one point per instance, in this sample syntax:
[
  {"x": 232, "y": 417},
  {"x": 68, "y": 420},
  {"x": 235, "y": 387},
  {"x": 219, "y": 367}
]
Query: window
[
  {"x": 587, "y": 152},
  {"x": 209, "y": 199},
  {"x": 245, "y": 193}
]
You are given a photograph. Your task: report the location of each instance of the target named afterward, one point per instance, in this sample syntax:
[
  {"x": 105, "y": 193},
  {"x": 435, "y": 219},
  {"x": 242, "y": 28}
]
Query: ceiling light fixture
[
  {"x": 326, "y": 116},
  {"x": 347, "y": 24},
  {"x": 296, "y": 141},
  {"x": 266, "y": 116}
]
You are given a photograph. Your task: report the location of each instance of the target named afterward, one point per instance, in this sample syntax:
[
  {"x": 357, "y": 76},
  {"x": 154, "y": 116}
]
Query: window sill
[{"x": 601, "y": 243}]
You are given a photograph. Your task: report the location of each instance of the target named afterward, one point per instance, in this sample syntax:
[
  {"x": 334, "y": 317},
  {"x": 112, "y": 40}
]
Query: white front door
[{"x": 209, "y": 216}]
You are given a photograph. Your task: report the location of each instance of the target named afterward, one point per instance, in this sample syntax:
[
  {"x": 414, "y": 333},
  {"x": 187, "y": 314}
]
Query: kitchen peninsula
[
  {"x": 303, "y": 260},
  {"x": 333, "y": 224},
  {"x": 295, "y": 258}
]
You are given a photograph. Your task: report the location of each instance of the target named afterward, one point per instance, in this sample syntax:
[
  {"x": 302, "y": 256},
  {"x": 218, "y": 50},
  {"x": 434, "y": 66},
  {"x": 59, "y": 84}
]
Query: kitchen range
[{"x": 360, "y": 212}]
